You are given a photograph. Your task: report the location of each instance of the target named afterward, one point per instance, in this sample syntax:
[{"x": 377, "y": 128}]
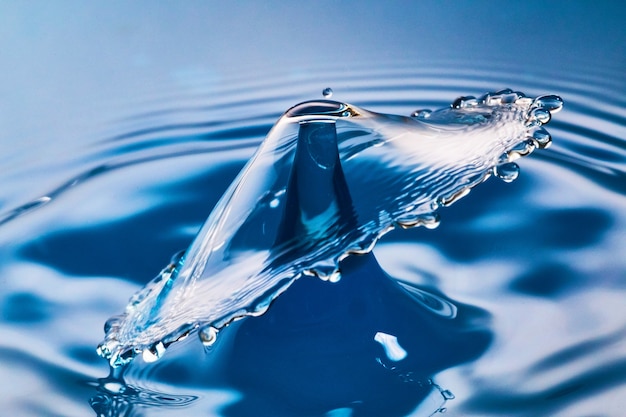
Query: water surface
[{"x": 535, "y": 268}]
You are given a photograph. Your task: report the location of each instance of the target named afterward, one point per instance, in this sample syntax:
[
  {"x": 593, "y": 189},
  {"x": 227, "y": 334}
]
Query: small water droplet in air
[
  {"x": 327, "y": 92},
  {"x": 274, "y": 203},
  {"x": 507, "y": 172},
  {"x": 208, "y": 336},
  {"x": 447, "y": 394}
]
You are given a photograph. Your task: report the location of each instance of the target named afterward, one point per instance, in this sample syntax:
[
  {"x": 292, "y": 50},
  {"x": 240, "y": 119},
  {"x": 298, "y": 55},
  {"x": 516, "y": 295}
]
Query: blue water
[{"x": 121, "y": 128}]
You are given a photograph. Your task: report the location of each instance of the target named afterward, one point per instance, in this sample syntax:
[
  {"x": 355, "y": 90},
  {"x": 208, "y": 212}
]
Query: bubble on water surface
[{"x": 348, "y": 176}]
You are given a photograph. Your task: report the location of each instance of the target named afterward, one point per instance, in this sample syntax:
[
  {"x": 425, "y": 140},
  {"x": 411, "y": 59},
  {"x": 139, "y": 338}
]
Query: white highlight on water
[{"x": 389, "y": 342}]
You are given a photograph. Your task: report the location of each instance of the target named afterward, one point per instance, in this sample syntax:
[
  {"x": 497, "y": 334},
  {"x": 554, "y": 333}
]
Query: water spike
[
  {"x": 317, "y": 196},
  {"x": 341, "y": 177}
]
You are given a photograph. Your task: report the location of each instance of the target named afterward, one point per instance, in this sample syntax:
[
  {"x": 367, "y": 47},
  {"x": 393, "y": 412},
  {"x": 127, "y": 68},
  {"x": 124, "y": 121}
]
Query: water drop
[
  {"x": 541, "y": 137},
  {"x": 463, "y": 102},
  {"x": 326, "y": 270},
  {"x": 447, "y": 201},
  {"x": 550, "y": 103},
  {"x": 327, "y": 92},
  {"x": 111, "y": 323},
  {"x": 507, "y": 172},
  {"x": 447, "y": 394},
  {"x": 153, "y": 353},
  {"x": 334, "y": 277},
  {"x": 509, "y": 98},
  {"x": 428, "y": 220},
  {"x": 208, "y": 336},
  {"x": 540, "y": 115},
  {"x": 442, "y": 410},
  {"x": 422, "y": 113},
  {"x": 521, "y": 149},
  {"x": 274, "y": 203}
]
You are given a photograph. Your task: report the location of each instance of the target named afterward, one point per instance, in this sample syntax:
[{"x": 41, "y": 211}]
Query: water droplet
[
  {"x": 327, "y": 92},
  {"x": 274, "y": 203},
  {"x": 442, "y": 410},
  {"x": 507, "y": 172},
  {"x": 550, "y": 103},
  {"x": 446, "y": 201},
  {"x": 208, "y": 336},
  {"x": 463, "y": 102},
  {"x": 540, "y": 115},
  {"x": 422, "y": 113},
  {"x": 153, "y": 353},
  {"x": 110, "y": 323},
  {"x": 541, "y": 137},
  {"x": 334, "y": 277},
  {"x": 428, "y": 220},
  {"x": 177, "y": 257},
  {"x": 509, "y": 98},
  {"x": 447, "y": 394},
  {"x": 521, "y": 149}
]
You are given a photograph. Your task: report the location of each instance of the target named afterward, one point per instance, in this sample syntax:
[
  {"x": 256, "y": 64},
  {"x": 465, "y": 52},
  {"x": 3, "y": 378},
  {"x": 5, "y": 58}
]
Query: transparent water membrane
[{"x": 328, "y": 181}]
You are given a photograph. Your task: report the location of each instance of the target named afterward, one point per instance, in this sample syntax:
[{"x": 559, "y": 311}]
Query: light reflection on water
[{"x": 542, "y": 256}]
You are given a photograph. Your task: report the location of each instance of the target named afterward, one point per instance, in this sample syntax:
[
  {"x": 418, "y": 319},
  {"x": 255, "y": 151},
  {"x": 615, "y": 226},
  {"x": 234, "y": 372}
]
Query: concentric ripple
[{"x": 546, "y": 262}]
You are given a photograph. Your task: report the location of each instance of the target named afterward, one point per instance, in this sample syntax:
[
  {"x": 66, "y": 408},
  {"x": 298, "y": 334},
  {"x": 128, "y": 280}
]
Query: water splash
[{"x": 277, "y": 221}]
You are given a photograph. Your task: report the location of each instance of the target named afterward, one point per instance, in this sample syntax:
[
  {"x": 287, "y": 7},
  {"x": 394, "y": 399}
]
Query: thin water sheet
[{"x": 328, "y": 181}]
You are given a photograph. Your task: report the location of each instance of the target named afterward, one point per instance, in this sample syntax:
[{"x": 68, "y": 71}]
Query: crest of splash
[{"x": 398, "y": 171}]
